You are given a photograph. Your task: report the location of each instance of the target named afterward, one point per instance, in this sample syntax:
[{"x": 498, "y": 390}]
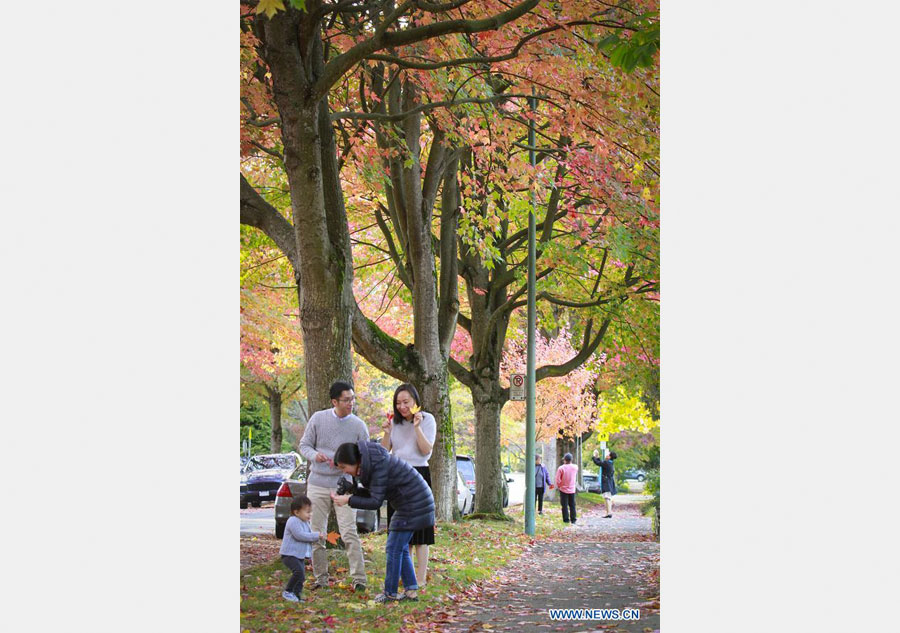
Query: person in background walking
[
  {"x": 541, "y": 477},
  {"x": 325, "y": 432},
  {"x": 566, "y": 475},
  {"x": 409, "y": 434},
  {"x": 607, "y": 479}
]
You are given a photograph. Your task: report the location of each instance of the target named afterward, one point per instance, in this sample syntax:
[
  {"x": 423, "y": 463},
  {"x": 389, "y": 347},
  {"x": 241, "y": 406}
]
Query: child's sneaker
[
  {"x": 290, "y": 597},
  {"x": 386, "y": 598}
]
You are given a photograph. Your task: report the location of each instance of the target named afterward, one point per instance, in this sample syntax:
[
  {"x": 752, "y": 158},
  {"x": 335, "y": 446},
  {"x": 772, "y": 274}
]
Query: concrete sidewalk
[{"x": 596, "y": 564}]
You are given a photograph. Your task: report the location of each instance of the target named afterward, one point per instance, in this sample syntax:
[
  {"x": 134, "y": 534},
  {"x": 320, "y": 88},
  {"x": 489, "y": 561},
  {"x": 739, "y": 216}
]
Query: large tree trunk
[
  {"x": 488, "y": 470},
  {"x": 436, "y": 398},
  {"x": 274, "y": 398},
  {"x": 326, "y": 273}
]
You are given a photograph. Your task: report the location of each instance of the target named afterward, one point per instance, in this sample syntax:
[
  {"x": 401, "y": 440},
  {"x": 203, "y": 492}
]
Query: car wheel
[
  {"x": 256, "y": 504},
  {"x": 641, "y": 478},
  {"x": 243, "y": 504},
  {"x": 279, "y": 530}
]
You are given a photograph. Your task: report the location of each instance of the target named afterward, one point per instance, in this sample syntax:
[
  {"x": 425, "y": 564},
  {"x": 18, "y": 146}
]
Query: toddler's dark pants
[{"x": 295, "y": 582}]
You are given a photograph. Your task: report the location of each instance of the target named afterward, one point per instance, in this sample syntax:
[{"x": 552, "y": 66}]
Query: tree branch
[
  {"x": 256, "y": 212},
  {"x": 384, "y": 352},
  {"x": 382, "y": 39},
  {"x": 377, "y": 116},
  {"x": 588, "y": 347}
]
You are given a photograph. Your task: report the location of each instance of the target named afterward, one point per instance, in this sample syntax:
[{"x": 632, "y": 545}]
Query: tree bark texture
[
  {"x": 274, "y": 398},
  {"x": 488, "y": 470},
  {"x": 326, "y": 296}
]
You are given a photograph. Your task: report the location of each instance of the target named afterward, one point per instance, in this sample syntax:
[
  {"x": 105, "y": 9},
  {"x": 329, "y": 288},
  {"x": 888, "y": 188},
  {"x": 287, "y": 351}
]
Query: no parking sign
[{"x": 517, "y": 387}]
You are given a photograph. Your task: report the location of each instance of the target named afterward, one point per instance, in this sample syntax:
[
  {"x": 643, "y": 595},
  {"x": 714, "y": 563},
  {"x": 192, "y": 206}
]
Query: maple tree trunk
[
  {"x": 436, "y": 399},
  {"x": 274, "y": 399},
  {"x": 564, "y": 445},
  {"x": 488, "y": 470},
  {"x": 326, "y": 273}
]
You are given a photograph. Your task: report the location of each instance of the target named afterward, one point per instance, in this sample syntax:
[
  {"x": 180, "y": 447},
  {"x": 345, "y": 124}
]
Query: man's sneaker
[
  {"x": 318, "y": 585},
  {"x": 290, "y": 597},
  {"x": 383, "y": 597},
  {"x": 359, "y": 587}
]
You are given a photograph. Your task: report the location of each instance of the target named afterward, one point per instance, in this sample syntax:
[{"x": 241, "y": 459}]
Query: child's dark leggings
[
  {"x": 295, "y": 583},
  {"x": 567, "y": 499}
]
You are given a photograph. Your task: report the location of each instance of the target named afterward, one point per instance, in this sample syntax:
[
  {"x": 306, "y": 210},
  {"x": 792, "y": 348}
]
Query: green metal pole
[{"x": 529, "y": 371}]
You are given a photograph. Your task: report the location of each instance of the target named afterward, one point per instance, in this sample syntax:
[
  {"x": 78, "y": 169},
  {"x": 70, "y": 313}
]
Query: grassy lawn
[{"x": 465, "y": 553}]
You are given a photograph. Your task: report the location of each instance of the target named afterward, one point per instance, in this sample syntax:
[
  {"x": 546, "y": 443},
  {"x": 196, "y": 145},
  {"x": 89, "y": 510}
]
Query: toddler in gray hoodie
[{"x": 296, "y": 546}]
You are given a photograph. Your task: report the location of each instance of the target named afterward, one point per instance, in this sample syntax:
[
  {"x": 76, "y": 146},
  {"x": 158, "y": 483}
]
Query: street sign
[{"x": 517, "y": 387}]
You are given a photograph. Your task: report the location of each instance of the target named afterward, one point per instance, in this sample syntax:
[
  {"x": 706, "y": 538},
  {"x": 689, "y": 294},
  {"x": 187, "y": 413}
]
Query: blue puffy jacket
[{"x": 387, "y": 477}]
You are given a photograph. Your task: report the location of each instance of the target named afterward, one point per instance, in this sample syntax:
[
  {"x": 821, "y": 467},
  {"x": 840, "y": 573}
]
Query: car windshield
[
  {"x": 264, "y": 462},
  {"x": 467, "y": 468}
]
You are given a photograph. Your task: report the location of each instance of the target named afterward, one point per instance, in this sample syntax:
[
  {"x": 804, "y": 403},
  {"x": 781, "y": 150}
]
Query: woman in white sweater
[{"x": 409, "y": 435}]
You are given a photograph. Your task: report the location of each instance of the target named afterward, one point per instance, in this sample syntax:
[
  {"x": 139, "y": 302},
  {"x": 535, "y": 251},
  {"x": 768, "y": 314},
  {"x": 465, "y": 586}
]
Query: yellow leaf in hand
[
  {"x": 332, "y": 537},
  {"x": 415, "y": 409}
]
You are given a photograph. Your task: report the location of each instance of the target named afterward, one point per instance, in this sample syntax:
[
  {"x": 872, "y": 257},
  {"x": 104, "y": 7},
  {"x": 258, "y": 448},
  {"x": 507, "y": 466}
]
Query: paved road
[{"x": 258, "y": 520}]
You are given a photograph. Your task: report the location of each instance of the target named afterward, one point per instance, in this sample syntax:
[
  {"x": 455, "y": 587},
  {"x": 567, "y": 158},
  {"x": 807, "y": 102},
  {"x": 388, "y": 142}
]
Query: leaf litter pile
[{"x": 482, "y": 575}]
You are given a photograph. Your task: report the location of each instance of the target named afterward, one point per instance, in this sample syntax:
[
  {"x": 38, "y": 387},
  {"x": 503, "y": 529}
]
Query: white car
[{"x": 465, "y": 501}]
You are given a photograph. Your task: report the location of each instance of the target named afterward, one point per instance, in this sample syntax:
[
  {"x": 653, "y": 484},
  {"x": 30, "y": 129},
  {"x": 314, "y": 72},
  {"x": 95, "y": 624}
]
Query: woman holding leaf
[{"x": 409, "y": 434}]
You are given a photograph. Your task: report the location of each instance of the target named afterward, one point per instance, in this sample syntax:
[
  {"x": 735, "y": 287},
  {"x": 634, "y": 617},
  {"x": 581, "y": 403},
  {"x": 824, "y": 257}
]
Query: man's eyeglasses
[{"x": 346, "y": 400}]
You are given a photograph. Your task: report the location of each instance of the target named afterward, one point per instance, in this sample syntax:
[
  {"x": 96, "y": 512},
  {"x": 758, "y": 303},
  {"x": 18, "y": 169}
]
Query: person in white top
[{"x": 409, "y": 434}]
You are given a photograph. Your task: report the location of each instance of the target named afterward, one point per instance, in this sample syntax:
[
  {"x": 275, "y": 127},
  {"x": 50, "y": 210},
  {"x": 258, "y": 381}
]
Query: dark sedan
[
  {"x": 263, "y": 475},
  {"x": 635, "y": 473}
]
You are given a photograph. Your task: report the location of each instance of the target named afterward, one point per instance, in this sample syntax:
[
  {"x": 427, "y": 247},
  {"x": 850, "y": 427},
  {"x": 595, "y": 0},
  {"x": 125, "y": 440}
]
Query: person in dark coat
[
  {"x": 387, "y": 478},
  {"x": 607, "y": 479}
]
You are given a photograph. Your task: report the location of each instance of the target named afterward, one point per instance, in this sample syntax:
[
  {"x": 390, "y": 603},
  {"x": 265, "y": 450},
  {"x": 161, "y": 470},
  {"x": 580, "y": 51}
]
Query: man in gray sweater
[{"x": 325, "y": 431}]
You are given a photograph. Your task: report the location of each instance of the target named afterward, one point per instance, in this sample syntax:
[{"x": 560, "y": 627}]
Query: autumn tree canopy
[{"x": 394, "y": 133}]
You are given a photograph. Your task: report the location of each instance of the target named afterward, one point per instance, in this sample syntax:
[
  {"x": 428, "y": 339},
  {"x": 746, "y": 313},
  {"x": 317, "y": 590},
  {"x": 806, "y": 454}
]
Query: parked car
[
  {"x": 263, "y": 475},
  {"x": 465, "y": 500},
  {"x": 295, "y": 485},
  {"x": 465, "y": 465},
  {"x": 591, "y": 482},
  {"x": 635, "y": 473}
]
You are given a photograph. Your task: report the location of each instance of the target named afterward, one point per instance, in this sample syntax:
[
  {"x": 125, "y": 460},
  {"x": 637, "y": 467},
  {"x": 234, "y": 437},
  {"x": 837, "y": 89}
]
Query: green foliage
[
  {"x": 622, "y": 410},
  {"x": 255, "y": 415},
  {"x": 636, "y": 51},
  {"x": 652, "y": 507}
]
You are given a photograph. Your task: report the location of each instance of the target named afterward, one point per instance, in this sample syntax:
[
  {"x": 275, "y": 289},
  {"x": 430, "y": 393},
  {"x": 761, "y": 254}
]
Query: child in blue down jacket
[{"x": 297, "y": 546}]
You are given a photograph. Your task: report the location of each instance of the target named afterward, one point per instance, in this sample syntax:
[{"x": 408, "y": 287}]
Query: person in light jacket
[
  {"x": 390, "y": 478},
  {"x": 541, "y": 481}
]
